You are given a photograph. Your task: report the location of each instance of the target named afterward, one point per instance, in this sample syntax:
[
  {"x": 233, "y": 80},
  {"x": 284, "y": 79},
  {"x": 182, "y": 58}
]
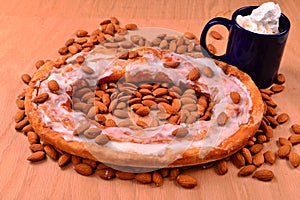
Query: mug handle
[{"x": 215, "y": 21}]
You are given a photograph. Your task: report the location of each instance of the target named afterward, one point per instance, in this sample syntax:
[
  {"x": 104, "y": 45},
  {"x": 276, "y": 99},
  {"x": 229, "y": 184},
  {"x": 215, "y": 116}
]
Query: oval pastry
[{"x": 145, "y": 108}]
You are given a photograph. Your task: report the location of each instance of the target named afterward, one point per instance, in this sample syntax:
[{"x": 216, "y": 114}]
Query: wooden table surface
[{"x": 35, "y": 29}]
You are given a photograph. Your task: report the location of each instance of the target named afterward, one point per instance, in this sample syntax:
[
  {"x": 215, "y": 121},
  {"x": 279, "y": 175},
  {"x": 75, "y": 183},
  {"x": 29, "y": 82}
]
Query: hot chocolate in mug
[{"x": 257, "y": 54}]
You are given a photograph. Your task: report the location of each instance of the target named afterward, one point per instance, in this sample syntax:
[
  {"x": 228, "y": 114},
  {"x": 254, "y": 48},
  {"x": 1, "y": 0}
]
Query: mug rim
[{"x": 282, "y": 33}]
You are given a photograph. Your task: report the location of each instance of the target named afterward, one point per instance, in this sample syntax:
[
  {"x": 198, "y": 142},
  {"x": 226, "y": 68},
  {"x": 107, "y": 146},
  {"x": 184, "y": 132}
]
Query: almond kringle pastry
[{"x": 226, "y": 127}]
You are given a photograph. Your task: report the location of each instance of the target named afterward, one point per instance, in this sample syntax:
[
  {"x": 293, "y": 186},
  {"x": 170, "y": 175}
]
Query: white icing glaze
[{"x": 219, "y": 88}]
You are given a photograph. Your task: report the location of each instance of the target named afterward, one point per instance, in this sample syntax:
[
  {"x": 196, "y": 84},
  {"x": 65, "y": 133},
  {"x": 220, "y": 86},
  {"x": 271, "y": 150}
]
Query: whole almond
[
  {"x": 53, "y": 86},
  {"x": 211, "y": 48},
  {"x": 36, "y": 147},
  {"x": 186, "y": 181},
  {"x": 39, "y": 63},
  {"x": 235, "y": 97},
  {"x": 36, "y": 156},
  {"x": 125, "y": 175},
  {"x": 277, "y": 88},
  {"x": 180, "y": 132},
  {"x": 51, "y": 152},
  {"x": 143, "y": 111},
  {"x": 207, "y": 71},
  {"x": 21, "y": 124},
  {"x": 130, "y": 26},
  {"x": 258, "y": 159},
  {"x": 20, "y": 104},
  {"x": 87, "y": 69},
  {"x": 296, "y": 128},
  {"x": 283, "y": 141},
  {"x": 194, "y": 74},
  {"x": 174, "y": 172},
  {"x": 247, "y": 170},
  {"x": 247, "y": 155},
  {"x": 221, "y": 167},
  {"x": 64, "y": 159},
  {"x": 216, "y": 35},
  {"x": 264, "y": 175},
  {"x": 92, "y": 133},
  {"x": 26, "y": 78},
  {"x": 176, "y": 105},
  {"x": 75, "y": 160},
  {"x": 222, "y": 119},
  {"x": 83, "y": 169},
  {"x": 294, "y": 159},
  {"x": 238, "y": 160},
  {"x": 110, "y": 123},
  {"x": 295, "y": 138},
  {"x": 190, "y": 35},
  {"x": 165, "y": 107},
  {"x": 79, "y": 59},
  {"x": 171, "y": 64},
  {"x": 144, "y": 178},
  {"x": 157, "y": 178},
  {"x": 120, "y": 113},
  {"x": 164, "y": 172},
  {"x": 106, "y": 174},
  {"x": 284, "y": 151},
  {"x": 280, "y": 79},
  {"x": 20, "y": 114},
  {"x": 256, "y": 148},
  {"x": 282, "y": 118},
  {"x": 181, "y": 49},
  {"x": 101, "y": 139},
  {"x": 32, "y": 137},
  {"x": 81, "y": 33},
  {"x": 160, "y": 92},
  {"x": 41, "y": 98},
  {"x": 270, "y": 157}
]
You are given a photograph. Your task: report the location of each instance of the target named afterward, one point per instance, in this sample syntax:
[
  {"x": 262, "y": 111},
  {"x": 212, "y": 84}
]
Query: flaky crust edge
[{"x": 190, "y": 157}]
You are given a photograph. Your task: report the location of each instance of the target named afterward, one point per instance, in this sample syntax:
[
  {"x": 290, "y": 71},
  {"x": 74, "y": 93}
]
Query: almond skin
[
  {"x": 64, "y": 159},
  {"x": 186, "y": 181}
]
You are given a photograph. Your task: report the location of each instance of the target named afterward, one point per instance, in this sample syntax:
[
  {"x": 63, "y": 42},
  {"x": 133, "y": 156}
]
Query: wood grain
[{"x": 32, "y": 30}]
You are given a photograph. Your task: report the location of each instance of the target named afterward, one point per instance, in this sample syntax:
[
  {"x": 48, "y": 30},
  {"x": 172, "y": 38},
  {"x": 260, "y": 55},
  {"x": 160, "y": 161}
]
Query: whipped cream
[{"x": 263, "y": 20}]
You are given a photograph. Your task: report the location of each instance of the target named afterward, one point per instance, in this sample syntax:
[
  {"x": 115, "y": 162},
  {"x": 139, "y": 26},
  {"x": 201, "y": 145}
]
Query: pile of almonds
[{"x": 168, "y": 101}]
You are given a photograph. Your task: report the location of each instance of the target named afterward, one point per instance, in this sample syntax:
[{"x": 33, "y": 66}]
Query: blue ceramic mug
[{"x": 259, "y": 55}]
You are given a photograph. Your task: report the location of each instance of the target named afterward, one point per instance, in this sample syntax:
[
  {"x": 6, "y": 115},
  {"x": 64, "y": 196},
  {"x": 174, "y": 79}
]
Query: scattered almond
[
  {"x": 247, "y": 170},
  {"x": 247, "y": 155},
  {"x": 51, "y": 152},
  {"x": 296, "y": 128},
  {"x": 277, "y": 88},
  {"x": 270, "y": 157},
  {"x": 32, "y": 137},
  {"x": 283, "y": 141},
  {"x": 106, "y": 174},
  {"x": 186, "y": 181},
  {"x": 258, "y": 159},
  {"x": 282, "y": 118},
  {"x": 238, "y": 160},
  {"x": 81, "y": 33},
  {"x": 256, "y": 148},
  {"x": 144, "y": 178},
  {"x": 125, "y": 175},
  {"x": 211, "y": 48},
  {"x": 284, "y": 151},
  {"x": 26, "y": 78},
  {"x": 87, "y": 69},
  {"x": 264, "y": 175},
  {"x": 294, "y": 159},
  {"x": 222, "y": 119},
  {"x": 131, "y": 26},
  {"x": 157, "y": 178},
  {"x": 221, "y": 167},
  {"x": 180, "y": 132},
  {"x": 36, "y": 147},
  {"x": 64, "y": 159},
  {"x": 20, "y": 114},
  {"x": 83, "y": 169},
  {"x": 294, "y": 139},
  {"x": 190, "y": 35},
  {"x": 36, "y": 156}
]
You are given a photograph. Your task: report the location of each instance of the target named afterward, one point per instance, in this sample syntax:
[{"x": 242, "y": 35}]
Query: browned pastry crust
[{"x": 189, "y": 157}]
